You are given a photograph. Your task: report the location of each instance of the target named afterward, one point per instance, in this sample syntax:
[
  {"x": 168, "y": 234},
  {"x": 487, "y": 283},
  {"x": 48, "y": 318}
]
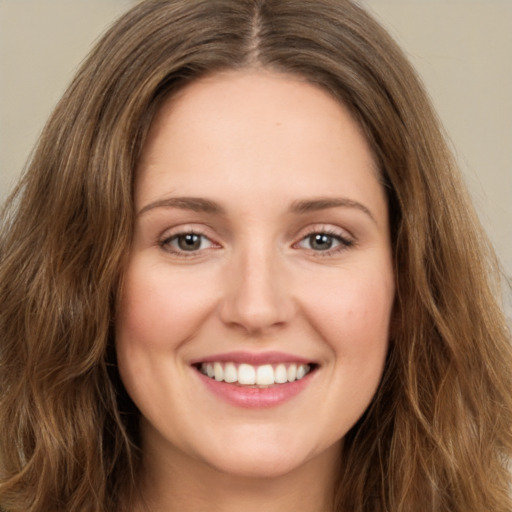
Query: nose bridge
[{"x": 256, "y": 296}]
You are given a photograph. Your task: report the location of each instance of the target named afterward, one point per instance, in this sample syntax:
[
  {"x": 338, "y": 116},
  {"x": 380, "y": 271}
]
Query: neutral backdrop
[{"x": 461, "y": 48}]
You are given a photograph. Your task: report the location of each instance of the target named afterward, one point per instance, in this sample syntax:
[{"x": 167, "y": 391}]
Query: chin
[
  {"x": 260, "y": 466},
  {"x": 266, "y": 459}
]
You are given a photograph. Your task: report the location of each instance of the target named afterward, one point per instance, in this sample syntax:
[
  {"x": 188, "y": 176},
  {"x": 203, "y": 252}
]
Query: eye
[
  {"x": 324, "y": 242},
  {"x": 186, "y": 242}
]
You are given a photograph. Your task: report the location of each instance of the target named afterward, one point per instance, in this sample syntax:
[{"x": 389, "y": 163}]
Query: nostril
[
  {"x": 254, "y": 320},
  {"x": 256, "y": 298}
]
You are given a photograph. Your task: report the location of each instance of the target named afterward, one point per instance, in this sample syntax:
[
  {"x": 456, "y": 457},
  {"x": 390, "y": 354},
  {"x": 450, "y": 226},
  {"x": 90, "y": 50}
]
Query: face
[{"x": 253, "y": 321}]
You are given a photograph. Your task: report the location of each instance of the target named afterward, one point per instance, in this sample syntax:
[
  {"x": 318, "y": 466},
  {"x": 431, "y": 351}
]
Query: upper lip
[{"x": 253, "y": 358}]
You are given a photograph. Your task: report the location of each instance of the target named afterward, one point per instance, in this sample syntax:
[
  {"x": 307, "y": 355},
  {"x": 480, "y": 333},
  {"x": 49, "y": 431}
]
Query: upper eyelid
[
  {"x": 345, "y": 238},
  {"x": 172, "y": 233},
  {"x": 173, "y": 236},
  {"x": 165, "y": 243},
  {"x": 184, "y": 230},
  {"x": 203, "y": 230},
  {"x": 330, "y": 229},
  {"x": 178, "y": 235},
  {"x": 344, "y": 241}
]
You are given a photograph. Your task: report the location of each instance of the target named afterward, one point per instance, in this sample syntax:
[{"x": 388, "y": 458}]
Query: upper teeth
[{"x": 249, "y": 375}]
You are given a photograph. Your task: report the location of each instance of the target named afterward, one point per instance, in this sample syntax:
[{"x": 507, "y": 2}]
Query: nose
[{"x": 256, "y": 297}]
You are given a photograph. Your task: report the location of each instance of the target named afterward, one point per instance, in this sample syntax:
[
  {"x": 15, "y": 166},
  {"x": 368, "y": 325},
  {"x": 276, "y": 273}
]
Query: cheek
[
  {"x": 352, "y": 313},
  {"x": 159, "y": 309},
  {"x": 352, "y": 316},
  {"x": 157, "y": 312}
]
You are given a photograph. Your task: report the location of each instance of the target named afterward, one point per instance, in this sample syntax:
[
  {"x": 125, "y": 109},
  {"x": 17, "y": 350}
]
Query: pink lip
[
  {"x": 254, "y": 358},
  {"x": 255, "y": 398}
]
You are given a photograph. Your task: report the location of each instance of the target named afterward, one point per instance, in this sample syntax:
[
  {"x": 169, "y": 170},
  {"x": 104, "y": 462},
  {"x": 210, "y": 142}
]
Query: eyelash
[
  {"x": 343, "y": 241},
  {"x": 166, "y": 242}
]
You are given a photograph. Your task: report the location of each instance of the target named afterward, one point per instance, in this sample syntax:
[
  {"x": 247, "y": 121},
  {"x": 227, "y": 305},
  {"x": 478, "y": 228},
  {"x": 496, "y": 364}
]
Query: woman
[{"x": 241, "y": 271}]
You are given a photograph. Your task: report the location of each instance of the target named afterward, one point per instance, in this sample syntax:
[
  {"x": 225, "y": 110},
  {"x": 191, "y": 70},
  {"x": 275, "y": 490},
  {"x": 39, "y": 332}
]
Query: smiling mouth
[{"x": 249, "y": 375}]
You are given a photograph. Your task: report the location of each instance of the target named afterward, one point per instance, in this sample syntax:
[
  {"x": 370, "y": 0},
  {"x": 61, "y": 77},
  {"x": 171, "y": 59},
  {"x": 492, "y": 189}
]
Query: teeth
[
  {"x": 246, "y": 374},
  {"x": 230, "y": 373},
  {"x": 249, "y": 375},
  {"x": 301, "y": 371},
  {"x": 265, "y": 375},
  {"x": 280, "y": 375},
  {"x": 291, "y": 373},
  {"x": 218, "y": 371}
]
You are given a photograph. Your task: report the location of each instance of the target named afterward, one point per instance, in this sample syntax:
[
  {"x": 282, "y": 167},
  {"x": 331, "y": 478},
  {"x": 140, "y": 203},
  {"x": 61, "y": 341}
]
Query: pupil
[
  {"x": 189, "y": 242},
  {"x": 321, "y": 242}
]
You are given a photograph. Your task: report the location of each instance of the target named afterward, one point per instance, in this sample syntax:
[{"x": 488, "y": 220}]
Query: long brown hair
[{"x": 437, "y": 436}]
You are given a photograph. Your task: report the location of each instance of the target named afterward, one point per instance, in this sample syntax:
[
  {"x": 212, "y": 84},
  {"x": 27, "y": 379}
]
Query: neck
[{"x": 185, "y": 485}]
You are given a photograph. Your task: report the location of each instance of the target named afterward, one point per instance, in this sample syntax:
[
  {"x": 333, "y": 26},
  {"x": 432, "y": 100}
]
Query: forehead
[
  {"x": 266, "y": 98},
  {"x": 267, "y": 130}
]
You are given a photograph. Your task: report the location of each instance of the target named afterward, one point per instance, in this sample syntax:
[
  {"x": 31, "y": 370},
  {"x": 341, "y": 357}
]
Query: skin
[{"x": 254, "y": 144}]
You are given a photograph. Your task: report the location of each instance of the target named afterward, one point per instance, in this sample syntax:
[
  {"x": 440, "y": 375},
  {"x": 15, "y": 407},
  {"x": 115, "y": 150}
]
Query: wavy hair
[{"x": 438, "y": 434}]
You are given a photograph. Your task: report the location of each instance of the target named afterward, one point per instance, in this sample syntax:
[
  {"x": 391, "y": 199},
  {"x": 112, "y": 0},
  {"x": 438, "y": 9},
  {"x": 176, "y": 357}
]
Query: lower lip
[{"x": 253, "y": 397}]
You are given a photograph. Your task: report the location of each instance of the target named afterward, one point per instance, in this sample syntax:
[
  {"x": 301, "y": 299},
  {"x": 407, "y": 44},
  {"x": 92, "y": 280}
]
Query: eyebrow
[
  {"x": 313, "y": 205},
  {"x": 196, "y": 204},
  {"x": 199, "y": 204}
]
